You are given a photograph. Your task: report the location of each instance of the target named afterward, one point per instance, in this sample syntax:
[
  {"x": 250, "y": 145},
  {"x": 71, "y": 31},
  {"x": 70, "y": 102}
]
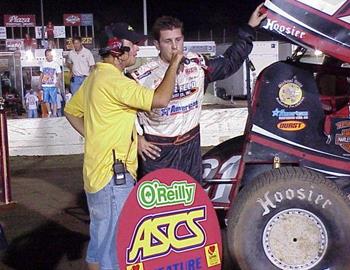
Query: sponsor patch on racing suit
[{"x": 183, "y": 111}]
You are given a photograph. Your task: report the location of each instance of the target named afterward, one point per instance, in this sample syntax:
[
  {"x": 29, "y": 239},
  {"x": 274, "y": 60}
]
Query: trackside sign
[{"x": 168, "y": 223}]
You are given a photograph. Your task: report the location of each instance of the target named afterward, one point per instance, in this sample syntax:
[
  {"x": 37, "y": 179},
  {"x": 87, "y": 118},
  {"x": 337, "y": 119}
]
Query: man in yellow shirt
[{"x": 104, "y": 112}]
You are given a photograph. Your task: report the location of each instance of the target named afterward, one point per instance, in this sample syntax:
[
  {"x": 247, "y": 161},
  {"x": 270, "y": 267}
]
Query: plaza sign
[{"x": 19, "y": 20}]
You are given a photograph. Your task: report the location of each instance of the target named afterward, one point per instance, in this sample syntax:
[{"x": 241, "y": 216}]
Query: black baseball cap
[{"x": 123, "y": 30}]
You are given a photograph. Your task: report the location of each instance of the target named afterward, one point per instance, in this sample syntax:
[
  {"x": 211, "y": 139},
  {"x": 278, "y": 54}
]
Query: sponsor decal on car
[
  {"x": 275, "y": 25},
  {"x": 290, "y": 94},
  {"x": 291, "y": 125},
  {"x": 343, "y": 138},
  {"x": 343, "y": 124},
  {"x": 282, "y": 114}
]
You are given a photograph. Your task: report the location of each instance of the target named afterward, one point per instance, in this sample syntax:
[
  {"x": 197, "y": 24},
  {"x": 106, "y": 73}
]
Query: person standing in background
[
  {"x": 67, "y": 96},
  {"x": 50, "y": 35},
  {"x": 59, "y": 104},
  {"x": 50, "y": 82},
  {"x": 32, "y": 104},
  {"x": 80, "y": 62}
]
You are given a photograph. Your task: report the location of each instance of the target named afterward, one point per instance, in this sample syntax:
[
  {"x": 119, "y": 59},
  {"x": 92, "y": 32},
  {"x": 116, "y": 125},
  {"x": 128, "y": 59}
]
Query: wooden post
[{"x": 4, "y": 158}]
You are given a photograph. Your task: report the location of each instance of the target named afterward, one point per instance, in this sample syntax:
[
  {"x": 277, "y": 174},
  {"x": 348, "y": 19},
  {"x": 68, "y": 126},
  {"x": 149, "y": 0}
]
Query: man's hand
[
  {"x": 257, "y": 17},
  {"x": 145, "y": 148}
]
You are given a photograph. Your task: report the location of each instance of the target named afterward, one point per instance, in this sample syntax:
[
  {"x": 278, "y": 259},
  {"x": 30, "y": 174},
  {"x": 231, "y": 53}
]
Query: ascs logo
[{"x": 158, "y": 235}]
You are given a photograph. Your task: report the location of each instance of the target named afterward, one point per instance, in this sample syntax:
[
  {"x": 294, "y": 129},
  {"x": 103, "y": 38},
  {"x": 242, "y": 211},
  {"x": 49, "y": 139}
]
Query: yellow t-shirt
[{"x": 108, "y": 102}]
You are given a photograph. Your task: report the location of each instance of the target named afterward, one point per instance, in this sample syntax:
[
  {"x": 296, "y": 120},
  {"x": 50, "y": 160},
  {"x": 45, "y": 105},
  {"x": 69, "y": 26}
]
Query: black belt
[{"x": 181, "y": 139}]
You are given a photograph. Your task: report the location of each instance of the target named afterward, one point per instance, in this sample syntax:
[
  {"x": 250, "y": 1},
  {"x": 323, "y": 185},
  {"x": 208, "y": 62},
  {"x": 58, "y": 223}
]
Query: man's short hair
[
  {"x": 166, "y": 23},
  {"x": 47, "y": 50},
  {"x": 76, "y": 38}
]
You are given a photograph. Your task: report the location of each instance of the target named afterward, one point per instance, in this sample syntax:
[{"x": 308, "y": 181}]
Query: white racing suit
[{"x": 175, "y": 128}]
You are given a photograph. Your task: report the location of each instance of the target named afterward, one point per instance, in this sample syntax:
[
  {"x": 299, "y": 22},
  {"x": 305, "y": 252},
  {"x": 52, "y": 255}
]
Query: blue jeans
[
  {"x": 32, "y": 113},
  {"x": 75, "y": 83},
  {"x": 105, "y": 207},
  {"x": 50, "y": 95}
]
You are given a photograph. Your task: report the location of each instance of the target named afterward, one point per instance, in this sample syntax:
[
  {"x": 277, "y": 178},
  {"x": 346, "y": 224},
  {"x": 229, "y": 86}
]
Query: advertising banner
[
  {"x": 84, "y": 41},
  {"x": 58, "y": 32},
  {"x": 14, "y": 43},
  {"x": 72, "y": 19},
  {"x": 3, "y": 32},
  {"x": 172, "y": 226},
  {"x": 320, "y": 24},
  {"x": 19, "y": 20},
  {"x": 87, "y": 19}
]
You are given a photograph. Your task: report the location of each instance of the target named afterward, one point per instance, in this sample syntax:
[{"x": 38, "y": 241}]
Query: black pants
[{"x": 181, "y": 152}]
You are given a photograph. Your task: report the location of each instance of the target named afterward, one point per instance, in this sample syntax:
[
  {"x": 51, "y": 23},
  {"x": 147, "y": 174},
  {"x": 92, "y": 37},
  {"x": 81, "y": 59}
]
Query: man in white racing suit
[{"x": 171, "y": 135}]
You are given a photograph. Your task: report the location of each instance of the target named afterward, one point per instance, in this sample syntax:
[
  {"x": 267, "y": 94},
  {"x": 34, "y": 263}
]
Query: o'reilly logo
[
  {"x": 151, "y": 194},
  {"x": 274, "y": 25}
]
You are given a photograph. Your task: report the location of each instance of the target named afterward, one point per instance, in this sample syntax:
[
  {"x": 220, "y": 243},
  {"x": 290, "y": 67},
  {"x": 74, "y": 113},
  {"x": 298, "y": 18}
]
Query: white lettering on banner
[
  {"x": 275, "y": 25},
  {"x": 270, "y": 201},
  {"x": 17, "y": 19},
  {"x": 3, "y": 33}
]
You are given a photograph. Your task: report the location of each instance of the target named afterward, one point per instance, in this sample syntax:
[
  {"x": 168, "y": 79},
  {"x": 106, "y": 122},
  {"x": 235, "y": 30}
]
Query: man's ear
[{"x": 156, "y": 43}]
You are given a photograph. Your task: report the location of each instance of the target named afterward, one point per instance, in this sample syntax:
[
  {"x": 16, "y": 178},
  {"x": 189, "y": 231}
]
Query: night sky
[{"x": 196, "y": 15}]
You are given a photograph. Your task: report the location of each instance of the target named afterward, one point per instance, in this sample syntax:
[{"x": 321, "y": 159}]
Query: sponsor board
[
  {"x": 87, "y": 19},
  {"x": 290, "y": 94},
  {"x": 3, "y": 32},
  {"x": 19, "y": 20},
  {"x": 342, "y": 139},
  {"x": 173, "y": 225},
  {"x": 72, "y": 19},
  {"x": 291, "y": 125},
  {"x": 58, "y": 32},
  {"x": 14, "y": 43},
  {"x": 84, "y": 41}
]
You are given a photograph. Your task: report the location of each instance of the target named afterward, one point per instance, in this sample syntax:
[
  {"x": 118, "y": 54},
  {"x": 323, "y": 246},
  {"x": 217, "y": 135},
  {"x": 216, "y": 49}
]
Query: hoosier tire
[{"x": 290, "y": 218}]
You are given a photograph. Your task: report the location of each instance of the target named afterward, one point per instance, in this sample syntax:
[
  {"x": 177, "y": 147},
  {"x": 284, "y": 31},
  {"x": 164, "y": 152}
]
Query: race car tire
[{"x": 290, "y": 218}]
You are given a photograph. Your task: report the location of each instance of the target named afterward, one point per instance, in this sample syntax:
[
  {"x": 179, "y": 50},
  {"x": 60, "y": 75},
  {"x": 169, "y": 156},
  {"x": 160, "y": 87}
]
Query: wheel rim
[{"x": 295, "y": 239}]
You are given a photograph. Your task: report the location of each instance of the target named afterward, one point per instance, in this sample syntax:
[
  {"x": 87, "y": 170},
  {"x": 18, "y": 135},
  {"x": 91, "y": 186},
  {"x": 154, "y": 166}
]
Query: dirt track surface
[{"x": 48, "y": 228}]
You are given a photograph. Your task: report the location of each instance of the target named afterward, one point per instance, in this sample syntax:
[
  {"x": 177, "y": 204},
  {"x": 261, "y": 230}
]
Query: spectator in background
[
  {"x": 32, "y": 104},
  {"x": 59, "y": 104},
  {"x": 50, "y": 81},
  {"x": 80, "y": 62},
  {"x": 29, "y": 42},
  {"x": 67, "y": 96},
  {"x": 50, "y": 35},
  {"x": 42, "y": 106}
]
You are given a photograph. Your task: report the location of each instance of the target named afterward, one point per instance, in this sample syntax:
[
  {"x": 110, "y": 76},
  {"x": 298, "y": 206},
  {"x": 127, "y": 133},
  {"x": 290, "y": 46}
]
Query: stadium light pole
[
  {"x": 145, "y": 19},
  {"x": 42, "y": 19}
]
